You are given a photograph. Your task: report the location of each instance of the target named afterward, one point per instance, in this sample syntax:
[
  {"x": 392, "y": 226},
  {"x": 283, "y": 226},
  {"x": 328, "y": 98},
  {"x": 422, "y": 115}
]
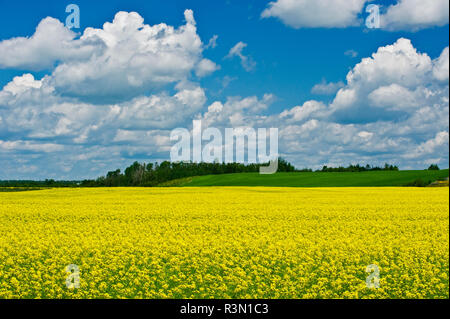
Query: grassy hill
[{"x": 315, "y": 179}]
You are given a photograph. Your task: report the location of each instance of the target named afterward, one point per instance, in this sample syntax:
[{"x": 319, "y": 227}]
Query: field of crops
[
  {"x": 218, "y": 242},
  {"x": 316, "y": 179}
]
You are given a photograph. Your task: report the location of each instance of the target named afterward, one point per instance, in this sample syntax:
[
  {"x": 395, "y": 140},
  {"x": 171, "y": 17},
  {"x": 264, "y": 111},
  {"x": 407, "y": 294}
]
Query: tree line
[
  {"x": 359, "y": 168},
  {"x": 142, "y": 174},
  {"x": 153, "y": 174}
]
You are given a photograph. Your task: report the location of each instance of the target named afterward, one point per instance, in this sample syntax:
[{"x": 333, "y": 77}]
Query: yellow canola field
[{"x": 221, "y": 242}]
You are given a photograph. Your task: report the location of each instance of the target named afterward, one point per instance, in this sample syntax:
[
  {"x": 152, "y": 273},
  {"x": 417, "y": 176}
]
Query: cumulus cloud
[
  {"x": 246, "y": 61},
  {"x": 325, "y": 88},
  {"x": 236, "y": 111},
  {"x": 395, "y": 80},
  {"x": 399, "y": 62},
  {"x": 20, "y": 145},
  {"x": 309, "y": 110},
  {"x": 161, "y": 111},
  {"x": 394, "y": 97},
  {"x": 52, "y": 42},
  {"x": 124, "y": 59},
  {"x": 32, "y": 115},
  {"x": 106, "y": 98},
  {"x": 20, "y": 84},
  {"x": 35, "y": 111},
  {"x": 413, "y": 15},
  {"x": 440, "y": 68},
  {"x": 393, "y": 108},
  {"x": 316, "y": 14},
  {"x": 205, "y": 67},
  {"x": 138, "y": 58},
  {"x": 410, "y": 15},
  {"x": 431, "y": 146}
]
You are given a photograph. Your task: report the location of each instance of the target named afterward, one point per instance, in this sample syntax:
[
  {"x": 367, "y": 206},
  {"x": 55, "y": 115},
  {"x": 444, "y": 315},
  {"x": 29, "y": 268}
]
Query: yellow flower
[{"x": 225, "y": 242}]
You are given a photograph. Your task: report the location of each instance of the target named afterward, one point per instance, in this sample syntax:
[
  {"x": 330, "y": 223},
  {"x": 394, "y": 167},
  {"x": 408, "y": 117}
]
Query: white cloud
[
  {"x": 344, "y": 99},
  {"x": 301, "y": 113},
  {"x": 440, "y": 68},
  {"x": 28, "y": 168},
  {"x": 20, "y": 145},
  {"x": 316, "y": 13},
  {"x": 226, "y": 81},
  {"x": 397, "y": 78},
  {"x": 398, "y": 63},
  {"x": 410, "y": 15},
  {"x": 143, "y": 138},
  {"x": 325, "y": 88},
  {"x": 212, "y": 43},
  {"x": 122, "y": 60},
  {"x": 246, "y": 61},
  {"x": 137, "y": 58},
  {"x": 413, "y": 15},
  {"x": 365, "y": 135},
  {"x": 393, "y": 96},
  {"x": 205, "y": 67},
  {"x": 431, "y": 146},
  {"x": 126, "y": 60},
  {"x": 393, "y": 108},
  {"x": 36, "y": 111},
  {"x": 52, "y": 42},
  {"x": 161, "y": 111},
  {"x": 352, "y": 53},
  {"x": 20, "y": 84},
  {"x": 236, "y": 111}
]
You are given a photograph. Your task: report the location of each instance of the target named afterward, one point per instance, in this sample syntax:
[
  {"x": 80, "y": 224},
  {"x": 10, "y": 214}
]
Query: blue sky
[{"x": 287, "y": 54}]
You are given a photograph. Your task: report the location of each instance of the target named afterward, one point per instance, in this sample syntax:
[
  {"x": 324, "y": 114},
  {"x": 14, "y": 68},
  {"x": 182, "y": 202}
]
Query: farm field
[
  {"x": 225, "y": 242},
  {"x": 317, "y": 179}
]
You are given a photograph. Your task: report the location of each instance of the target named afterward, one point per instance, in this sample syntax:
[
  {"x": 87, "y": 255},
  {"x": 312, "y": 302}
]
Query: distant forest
[{"x": 153, "y": 174}]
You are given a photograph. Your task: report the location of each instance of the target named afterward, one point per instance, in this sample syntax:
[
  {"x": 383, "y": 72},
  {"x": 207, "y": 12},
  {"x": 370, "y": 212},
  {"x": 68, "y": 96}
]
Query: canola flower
[{"x": 221, "y": 242}]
